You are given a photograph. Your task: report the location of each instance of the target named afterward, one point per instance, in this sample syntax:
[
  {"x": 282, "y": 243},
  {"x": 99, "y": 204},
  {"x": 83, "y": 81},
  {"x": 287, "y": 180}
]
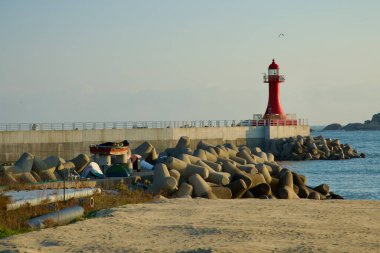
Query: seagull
[{"x": 281, "y": 34}]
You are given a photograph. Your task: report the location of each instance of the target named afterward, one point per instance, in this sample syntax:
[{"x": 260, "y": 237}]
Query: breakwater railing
[{"x": 143, "y": 124}]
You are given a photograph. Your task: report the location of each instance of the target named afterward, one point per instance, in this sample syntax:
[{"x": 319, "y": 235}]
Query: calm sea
[{"x": 352, "y": 179}]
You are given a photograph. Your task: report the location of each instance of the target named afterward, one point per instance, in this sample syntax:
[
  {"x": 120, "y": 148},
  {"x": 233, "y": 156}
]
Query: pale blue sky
[{"x": 181, "y": 60}]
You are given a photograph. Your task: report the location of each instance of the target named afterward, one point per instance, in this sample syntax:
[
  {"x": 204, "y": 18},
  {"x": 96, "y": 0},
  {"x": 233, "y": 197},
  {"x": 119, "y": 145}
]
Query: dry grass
[
  {"x": 15, "y": 221},
  {"x": 108, "y": 200}
]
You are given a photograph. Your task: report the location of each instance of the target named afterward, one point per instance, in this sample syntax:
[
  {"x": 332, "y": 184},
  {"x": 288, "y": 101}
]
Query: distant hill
[
  {"x": 334, "y": 126},
  {"x": 373, "y": 124}
]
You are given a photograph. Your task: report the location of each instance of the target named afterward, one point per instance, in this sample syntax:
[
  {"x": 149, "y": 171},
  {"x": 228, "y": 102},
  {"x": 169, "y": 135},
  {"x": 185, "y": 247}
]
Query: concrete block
[
  {"x": 175, "y": 174},
  {"x": 192, "y": 169},
  {"x": 183, "y": 142},
  {"x": 263, "y": 156},
  {"x": 222, "y": 192},
  {"x": 314, "y": 195},
  {"x": 222, "y": 153},
  {"x": 214, "y": 177},
  {"x": 248, "y": 168},
  {"x": 203, "y": 145},
  {"x": 270, "y": 157},
  {"x": 162, "y": 181},
  {"x": 24, "y": 163},
  {"x": 215, "y": 166},
  {"x": 238, "y": 188},
  {"x": 185, "y": 190},
  {"x": 243, "y": 153},
  {"x": 80, "y": 162},
  {"x": 200, "y": 186},
  {"x": 322, "y": 189},
  {"x": 200, "y": 153},
  {"x": 231, "y": 146},
  {"x": 264, "y": 170},
  {"x": 261, "y": 189},
  {"x": 237, "y": 159},
  {"x": 175, "y": 164},
  {"x": 276, "y": 169}
]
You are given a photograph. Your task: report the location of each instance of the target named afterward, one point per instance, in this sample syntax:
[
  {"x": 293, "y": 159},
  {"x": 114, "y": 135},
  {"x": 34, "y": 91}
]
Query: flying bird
[{"x": 281, "y": 34}]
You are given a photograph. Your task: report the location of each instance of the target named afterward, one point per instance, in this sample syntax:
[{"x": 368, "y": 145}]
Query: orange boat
[{"x": 110, "y": 148}]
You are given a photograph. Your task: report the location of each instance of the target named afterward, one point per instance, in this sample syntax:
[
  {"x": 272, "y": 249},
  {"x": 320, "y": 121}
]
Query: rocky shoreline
[{"x": 368, "y": 125}]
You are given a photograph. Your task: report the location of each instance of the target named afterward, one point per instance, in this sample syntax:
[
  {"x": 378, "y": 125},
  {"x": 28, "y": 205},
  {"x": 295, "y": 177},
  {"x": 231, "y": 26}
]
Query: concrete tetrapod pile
[
  {"x": 31, "y": 169},
  {"x": 226, "y": 171},
  {"x": 311, "y": 148}
]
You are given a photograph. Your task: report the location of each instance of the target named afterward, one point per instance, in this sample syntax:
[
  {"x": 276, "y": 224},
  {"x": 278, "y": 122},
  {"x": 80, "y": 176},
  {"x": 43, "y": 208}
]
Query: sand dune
[{"x": 200, "y": 225}]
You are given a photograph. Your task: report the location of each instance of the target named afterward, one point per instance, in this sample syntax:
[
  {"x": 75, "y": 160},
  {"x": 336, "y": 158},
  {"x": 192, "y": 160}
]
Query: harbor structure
[
  {"x": 274, "y": 113},
  {"x": 274, "y": 108},
  {"x": 68, "y": 140}
]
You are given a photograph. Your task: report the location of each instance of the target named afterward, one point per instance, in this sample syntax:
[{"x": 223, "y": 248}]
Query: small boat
[{"x": 110, "y": 148}]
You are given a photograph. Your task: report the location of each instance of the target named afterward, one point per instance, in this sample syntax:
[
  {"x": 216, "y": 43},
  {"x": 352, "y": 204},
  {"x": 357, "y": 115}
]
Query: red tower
[{"x": 274, "y": 109}]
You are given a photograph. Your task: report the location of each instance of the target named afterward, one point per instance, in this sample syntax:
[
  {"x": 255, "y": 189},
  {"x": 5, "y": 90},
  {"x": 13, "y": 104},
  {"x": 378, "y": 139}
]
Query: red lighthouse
[{"x": 274, "y": 109}]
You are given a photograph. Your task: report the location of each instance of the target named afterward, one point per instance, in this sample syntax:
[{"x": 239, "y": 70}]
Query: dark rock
[
  {"x": 335, "y": 196},
  {"x": 261, "y": 189},
  {"x": 334, "y": 126},
  {"x": 308, "y": 156},
  {"x": 373, "y": 124},
  {"x": 248, "y": 195},
  {"x": 314, "y": 195},
  {"x": 376, "y": 118},
  {"x": 287, "y": 149},
  {"x": 238, "y": 188},
  {"x": 354, "y": 127},
  {"x": 323, "y": 189},
  {"x": 303, "y": 191}
]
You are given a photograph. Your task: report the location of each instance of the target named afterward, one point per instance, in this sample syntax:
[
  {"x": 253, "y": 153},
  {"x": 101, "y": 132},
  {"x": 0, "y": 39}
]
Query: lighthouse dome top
[{"x": 273, "y": 65}]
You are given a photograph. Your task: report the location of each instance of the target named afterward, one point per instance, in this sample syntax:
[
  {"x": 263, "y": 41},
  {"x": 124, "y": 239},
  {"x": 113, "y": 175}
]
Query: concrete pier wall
[{"x": 69, "y": 143}]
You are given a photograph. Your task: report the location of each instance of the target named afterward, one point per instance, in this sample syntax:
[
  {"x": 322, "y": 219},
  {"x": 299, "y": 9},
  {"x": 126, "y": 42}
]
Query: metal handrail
[{"x": 145, "y": 124}]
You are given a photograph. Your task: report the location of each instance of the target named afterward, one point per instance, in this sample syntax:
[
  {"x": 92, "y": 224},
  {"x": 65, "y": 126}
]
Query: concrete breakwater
[
  {"x": 210, "y": 171},
  {"x": 311, "y": 148},
  {"x": 227, "y": 171},
  {"x": 70, "y": 143}
]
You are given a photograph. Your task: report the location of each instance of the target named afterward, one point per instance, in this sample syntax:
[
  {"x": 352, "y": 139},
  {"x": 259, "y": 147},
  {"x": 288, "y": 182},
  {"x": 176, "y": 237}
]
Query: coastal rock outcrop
[
  {"x": 376, "y": 118},
  {"x": 354, "y": 127},
  {"x": 334, "y": 126},
  {"x": 373, "y": 124}
]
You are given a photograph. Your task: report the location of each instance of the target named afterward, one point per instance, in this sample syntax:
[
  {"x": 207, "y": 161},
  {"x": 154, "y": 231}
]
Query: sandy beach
[{"x": 200, "y": 225}]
